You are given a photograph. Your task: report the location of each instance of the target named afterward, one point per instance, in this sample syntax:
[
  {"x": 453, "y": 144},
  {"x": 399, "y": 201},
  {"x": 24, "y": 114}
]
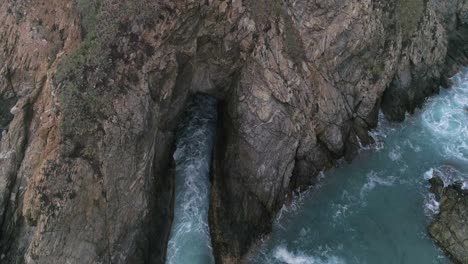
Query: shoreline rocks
[{"x": 449, "y": 228}]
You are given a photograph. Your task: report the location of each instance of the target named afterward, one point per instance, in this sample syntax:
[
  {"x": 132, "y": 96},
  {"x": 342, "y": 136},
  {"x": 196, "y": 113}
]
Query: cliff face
[
  {"x": 449, "y": 228},
  {"x": 96, "y": 89}
]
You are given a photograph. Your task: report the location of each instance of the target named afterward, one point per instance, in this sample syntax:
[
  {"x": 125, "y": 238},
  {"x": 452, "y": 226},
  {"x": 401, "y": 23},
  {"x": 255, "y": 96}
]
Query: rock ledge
[{"x": 450, "y": 227}]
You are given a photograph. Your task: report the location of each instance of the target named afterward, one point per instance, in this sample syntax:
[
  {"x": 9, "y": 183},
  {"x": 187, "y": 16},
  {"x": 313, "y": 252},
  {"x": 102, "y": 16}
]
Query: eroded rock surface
[
  {"x": 450, "y": 227},
  {"x": 86, "y": 170}
]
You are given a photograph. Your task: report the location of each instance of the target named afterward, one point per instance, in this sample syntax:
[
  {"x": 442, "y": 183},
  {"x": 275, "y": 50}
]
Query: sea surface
[{"x": 190, "y": 237}]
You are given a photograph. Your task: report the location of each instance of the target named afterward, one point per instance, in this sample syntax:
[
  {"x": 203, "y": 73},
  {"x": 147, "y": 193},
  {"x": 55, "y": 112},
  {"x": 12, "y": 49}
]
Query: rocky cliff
[
  {"x": 449, "y": 228},
  {"x": 91, "y": 92}
]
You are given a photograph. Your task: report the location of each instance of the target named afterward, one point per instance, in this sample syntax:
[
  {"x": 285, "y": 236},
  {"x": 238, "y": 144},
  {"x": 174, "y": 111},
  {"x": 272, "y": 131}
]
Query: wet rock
[
  {"x": 450, "y": 227},
  {"x": 426, "y": 62},
  {"x": 87, "y": 162},
  {"x": 307, "y": 111},
  {"x": 6, "y": 104},
  {"x": 437, "y": 186}
]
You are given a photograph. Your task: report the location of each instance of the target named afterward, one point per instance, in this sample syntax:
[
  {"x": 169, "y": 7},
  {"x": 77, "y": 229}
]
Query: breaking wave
[
  {"x": 447, "y": 118},
  {"x": 374, "y": 180},
  {"x": 376, "y": 210},
  {"x": 282, "y": 254},
  {"x": 190, "y": 237}
]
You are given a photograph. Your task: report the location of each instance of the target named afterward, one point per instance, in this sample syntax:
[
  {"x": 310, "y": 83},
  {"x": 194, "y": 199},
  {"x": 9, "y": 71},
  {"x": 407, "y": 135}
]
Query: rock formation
[
  {"x": 449, "y": 229},
  {"x": 91, "y": 92}
]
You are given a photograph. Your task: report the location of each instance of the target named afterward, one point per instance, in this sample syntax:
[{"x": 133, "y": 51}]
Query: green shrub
[
  {"x": 377, "y": 71},
  {"x": 79, "y": 73}
]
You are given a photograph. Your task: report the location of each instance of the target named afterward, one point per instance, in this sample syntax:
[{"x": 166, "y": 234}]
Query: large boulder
[{"x": 450, "y": 227}]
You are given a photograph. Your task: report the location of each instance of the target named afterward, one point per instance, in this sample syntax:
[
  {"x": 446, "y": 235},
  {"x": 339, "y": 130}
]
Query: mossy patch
[
  {"x": 377, "y": 71},
  {"x": 411, "y": 12},
  {"x": 263, "y": 10},
  {"x": 76, "y": 96},
  {"x": 92, "y": 56},
  {"x": 86, "y": 77}
]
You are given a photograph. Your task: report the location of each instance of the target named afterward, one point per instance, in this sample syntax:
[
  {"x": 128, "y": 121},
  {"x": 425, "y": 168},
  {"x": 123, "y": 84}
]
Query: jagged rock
[
  {"x": 87, "y": 160},
  {"x": 450, "y": 227}
]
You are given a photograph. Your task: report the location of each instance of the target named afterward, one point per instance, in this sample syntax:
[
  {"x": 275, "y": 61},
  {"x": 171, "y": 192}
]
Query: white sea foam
[
  {"x": 395, "y": 154},
  {"x": 431, "y": 205},
  {"x": 448, "y": 174},
  {"x": 341, "y": 211},
  {"x": 368, "y": 205},
  {"x": 379, "y": 140},
  {"x": 282, "y": 254},
  {"x": 297, "y": 201},
  {"x": 378, "y": 135},
  {"x": 190, "y": 239},
  {"x": 429, "y": 174},
  {"x": 447, "y": 119},
  {"x": 290, "y": 209},
  {"x": 374, "y": 180},
  {"x": 304, "y": 232},
  {"x": 415, "y": 148}
]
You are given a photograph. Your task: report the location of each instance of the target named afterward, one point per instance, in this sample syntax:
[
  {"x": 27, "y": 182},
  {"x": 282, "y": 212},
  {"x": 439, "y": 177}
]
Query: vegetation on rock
[{"x": 411, "y": 12}]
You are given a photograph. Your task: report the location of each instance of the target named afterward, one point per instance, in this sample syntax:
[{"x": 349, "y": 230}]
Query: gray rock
[{"x": 450, "y": 227}]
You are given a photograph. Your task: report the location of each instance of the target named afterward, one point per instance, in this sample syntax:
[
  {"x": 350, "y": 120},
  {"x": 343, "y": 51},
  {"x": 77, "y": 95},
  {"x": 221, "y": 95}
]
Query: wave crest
[{"x": 282, "y": 254}]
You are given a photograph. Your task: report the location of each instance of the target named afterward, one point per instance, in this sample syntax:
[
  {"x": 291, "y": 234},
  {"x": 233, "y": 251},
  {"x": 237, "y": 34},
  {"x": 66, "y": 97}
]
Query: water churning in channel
[
  {"x": 377, "y": 209},
  {"x": 190, "y": 237}
]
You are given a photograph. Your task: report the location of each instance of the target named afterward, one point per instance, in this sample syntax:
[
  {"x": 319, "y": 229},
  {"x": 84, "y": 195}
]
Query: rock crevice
[{"x": 449, "y": 228}]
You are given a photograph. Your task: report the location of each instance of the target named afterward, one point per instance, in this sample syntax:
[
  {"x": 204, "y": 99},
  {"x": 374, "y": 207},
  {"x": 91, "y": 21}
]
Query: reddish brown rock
[{"x": 86, "y": 163}]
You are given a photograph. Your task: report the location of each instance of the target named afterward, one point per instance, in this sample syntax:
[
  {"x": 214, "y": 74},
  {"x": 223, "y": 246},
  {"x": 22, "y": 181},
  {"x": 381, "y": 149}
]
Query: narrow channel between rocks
[{"x": 195, "y": 137}]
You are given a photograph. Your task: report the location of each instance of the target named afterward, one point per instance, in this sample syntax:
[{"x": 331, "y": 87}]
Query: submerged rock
[{"x": 450, "y": 227}]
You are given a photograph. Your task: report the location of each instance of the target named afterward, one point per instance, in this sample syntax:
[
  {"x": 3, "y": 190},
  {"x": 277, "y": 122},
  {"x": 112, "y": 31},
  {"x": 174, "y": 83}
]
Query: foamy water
[
  {"x": 190, "y": 237},
  {"x": 377, "y": 209},
  {"x": 446, "y": 118},
  {"x": 282, "y": 254}
]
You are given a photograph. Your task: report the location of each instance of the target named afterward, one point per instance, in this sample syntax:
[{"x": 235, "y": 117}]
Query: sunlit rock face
[{"x": 100, "y": 86}]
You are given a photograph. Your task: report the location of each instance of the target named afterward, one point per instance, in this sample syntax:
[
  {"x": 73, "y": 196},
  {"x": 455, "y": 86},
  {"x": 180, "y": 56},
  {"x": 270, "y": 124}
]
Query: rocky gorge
[{"x": 92, "y": 91}]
